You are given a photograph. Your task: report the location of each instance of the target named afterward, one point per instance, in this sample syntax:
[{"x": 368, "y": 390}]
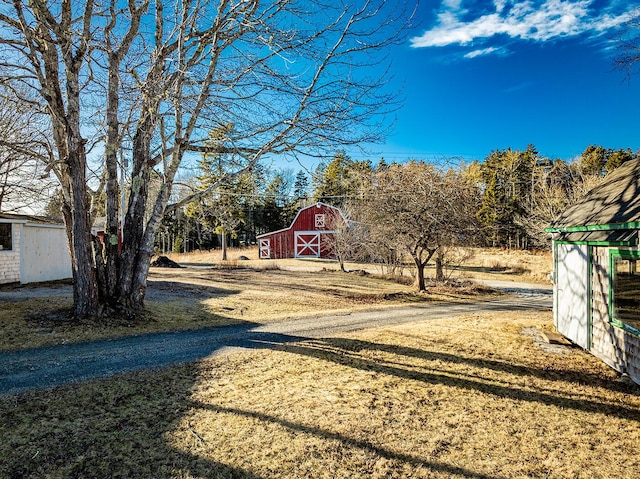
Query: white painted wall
[{"x": 571, "y": 293}]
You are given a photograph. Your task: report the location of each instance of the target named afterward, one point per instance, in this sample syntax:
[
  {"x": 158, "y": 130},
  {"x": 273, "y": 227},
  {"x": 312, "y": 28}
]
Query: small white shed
[
  {"x": 32, "y": 249},
  {"x": 597, "y": 271}
]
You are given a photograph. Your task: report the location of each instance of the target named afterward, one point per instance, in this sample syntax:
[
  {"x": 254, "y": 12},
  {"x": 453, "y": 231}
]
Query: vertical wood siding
[{"x": 282, "y": 243}]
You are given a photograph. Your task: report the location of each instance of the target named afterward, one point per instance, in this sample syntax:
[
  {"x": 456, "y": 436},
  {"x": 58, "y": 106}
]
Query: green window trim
[
  {"x": 633, "y": 225},
  {"x": 615, "y": 254},
  {"x": 600, "y": 243}
]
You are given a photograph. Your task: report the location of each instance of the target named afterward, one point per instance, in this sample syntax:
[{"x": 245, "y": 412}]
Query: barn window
[
  {"x": 320, "y": 221},
  {"x": 626, "y": 289},
  {"x": 6, "y": 238}
]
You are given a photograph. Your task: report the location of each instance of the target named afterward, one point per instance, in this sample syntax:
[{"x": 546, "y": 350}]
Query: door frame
[{"x": 313, "y": 244}]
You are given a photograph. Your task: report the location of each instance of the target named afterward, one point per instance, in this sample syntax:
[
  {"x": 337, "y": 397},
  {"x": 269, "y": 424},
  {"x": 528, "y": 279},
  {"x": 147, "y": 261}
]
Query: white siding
[
  {"x": 10, "y": 260},
  {"x": 571, "y": 293}
]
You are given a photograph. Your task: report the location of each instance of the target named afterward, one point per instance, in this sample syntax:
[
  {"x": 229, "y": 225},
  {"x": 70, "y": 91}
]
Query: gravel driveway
[{"x": 56, "y": 365}]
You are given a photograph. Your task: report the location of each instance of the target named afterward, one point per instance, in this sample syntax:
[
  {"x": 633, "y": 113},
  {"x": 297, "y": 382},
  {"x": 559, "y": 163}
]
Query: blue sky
[{"x": 485, "y": 75}]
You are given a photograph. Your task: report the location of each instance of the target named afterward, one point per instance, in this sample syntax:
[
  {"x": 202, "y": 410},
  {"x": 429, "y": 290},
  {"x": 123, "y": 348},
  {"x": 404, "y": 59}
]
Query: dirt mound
[{"x": 164, "y": 262}]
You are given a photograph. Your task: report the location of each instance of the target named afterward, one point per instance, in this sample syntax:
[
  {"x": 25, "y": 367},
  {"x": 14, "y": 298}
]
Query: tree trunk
[
  {"x": 85, "y": 286},
  {"x": 134, "y": 231},
  {"x": 419, "y": 273},
  {"x": 224, "y": 245},
  {"x": 112, "y": 228},
  {"x": 439, "y": 267}
]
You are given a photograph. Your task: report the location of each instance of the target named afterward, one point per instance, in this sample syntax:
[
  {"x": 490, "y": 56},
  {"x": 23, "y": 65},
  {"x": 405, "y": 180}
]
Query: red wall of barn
[{"x": 283, "y": 242}]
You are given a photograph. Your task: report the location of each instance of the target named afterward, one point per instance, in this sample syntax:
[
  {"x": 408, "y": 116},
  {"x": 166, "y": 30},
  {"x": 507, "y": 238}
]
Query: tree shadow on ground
[
  {"x": 349, "y": 442},
  {"x": 105, "y": 429},
  {"x": 124, "y": 428},
  {"x": 564, "y": 374},
  {"x": 345, "y": 353},
  {"x": 162, "y": 290}
]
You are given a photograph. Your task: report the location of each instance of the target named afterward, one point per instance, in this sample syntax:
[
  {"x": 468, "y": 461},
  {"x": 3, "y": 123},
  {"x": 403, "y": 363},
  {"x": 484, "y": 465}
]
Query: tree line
[
  {"x": 414, "y": 209},
  {"x": 423, "y": 211}
]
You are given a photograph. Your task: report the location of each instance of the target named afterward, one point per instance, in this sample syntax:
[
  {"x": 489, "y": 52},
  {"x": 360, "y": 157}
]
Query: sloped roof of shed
[
  {"x": 30, "y": 219},
  {"x": 616, "y": 201}
]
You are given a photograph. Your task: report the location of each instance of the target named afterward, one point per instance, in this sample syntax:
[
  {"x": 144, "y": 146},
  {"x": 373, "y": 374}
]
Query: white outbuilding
[
  {"x": 32, "y": 249},
  {"x": 597, "y": 271}
]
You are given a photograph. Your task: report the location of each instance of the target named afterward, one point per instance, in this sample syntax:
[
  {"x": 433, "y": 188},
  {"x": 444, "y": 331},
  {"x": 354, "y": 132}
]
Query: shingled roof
[
  {"x": 611, "y": 205},
  {"x": 29, "y": 219}
]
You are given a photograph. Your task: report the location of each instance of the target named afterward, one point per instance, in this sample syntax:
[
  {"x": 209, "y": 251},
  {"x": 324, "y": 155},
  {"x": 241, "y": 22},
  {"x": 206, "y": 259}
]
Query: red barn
[{"x": 305, "y": 238}]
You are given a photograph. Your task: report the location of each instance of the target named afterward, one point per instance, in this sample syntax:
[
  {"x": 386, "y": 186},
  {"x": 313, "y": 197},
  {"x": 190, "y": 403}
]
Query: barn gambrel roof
[
  {"x": 612, "y": 205},
  {"x": 319, "y": 204}
]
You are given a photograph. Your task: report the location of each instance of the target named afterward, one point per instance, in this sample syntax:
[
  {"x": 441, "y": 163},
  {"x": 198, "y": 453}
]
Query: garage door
[
  {"x": 44, "y": 254},
  {"x": 572, "y": 293}
]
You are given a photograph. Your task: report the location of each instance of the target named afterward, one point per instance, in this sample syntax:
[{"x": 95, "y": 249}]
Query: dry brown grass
[
  {"x": 212, "y": 293},
  {"x": 483, "y": 263},
  {"x": 468, "y": 397},
  {"x": 270, "y": 295},
  {"x": 193, "y": 298},
  {"x": 215, "y": 256},
  {"x": 533, "y": 266}
]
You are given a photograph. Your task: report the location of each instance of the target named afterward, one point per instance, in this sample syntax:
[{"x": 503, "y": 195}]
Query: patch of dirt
[{"x": 46, "y": 321}]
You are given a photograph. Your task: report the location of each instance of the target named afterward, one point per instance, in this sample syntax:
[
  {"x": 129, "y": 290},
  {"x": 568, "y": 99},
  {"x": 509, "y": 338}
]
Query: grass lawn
[
  {"x": 467, "y": 397},
  {"x": 197, "y": 297},
  {"x": 470, "y": 397},
  {"x": 481, "y": 263}
]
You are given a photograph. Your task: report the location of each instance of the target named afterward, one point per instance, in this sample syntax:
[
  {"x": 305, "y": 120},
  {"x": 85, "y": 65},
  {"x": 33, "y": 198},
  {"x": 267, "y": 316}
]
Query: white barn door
[
  {"x": 307, "y": 244},
  {"x": 265, "y": 248},
  {"x": 571, "y": 293}
]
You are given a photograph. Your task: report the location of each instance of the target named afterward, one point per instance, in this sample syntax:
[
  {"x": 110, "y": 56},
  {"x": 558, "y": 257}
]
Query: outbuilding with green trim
[{"x": 596, "y": 262}]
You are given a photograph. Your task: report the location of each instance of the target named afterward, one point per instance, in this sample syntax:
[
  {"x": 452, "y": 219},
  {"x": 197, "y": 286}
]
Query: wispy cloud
[
  {"x": 518, "y": 87},
  {"x": 487, "y": 51},
  {"x": 540, "y": 20}
]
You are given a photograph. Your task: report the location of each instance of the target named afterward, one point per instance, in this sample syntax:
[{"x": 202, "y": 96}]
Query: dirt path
[{"x": 56, "y": 365}]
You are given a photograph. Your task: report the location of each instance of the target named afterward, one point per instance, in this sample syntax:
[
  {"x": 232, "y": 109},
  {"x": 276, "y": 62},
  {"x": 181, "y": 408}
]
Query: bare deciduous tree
[
  {"x": 554, "y": 188},
  {"x": 148, "y": 81},
  {"x": 348, "y": 238},
  {"x": 628, "y": 57},
  {"x": 420, "y": 210},
  {"x": 24, "y": 185}
]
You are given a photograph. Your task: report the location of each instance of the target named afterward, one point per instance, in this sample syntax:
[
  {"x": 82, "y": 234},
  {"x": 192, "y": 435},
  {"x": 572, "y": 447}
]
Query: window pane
[
  {"x": 5, "y": 236},
  {"x": 626, "y": 294}
]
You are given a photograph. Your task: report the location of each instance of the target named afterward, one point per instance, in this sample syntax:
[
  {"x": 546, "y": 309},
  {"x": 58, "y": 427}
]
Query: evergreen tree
[
  {"x": 274, "y": 214},
  {"x": 617, "y": 158},
  {"x": 222, "y": 205},
  {"x": 330, "y": 181},
  {"x": 594, "y": 160},
  {"x": 342, "y": 179},
  {"x": 507, "y": 176},
  {"x": 301, "y": 186}
]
